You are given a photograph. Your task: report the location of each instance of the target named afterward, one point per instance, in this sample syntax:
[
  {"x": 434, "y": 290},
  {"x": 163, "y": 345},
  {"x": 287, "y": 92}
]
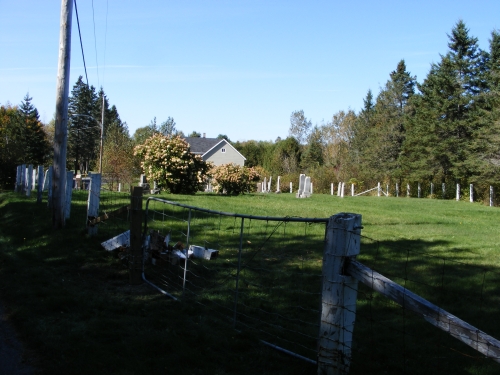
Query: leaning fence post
[
  {"x": 136, "y": 218},
  {"x": 339, "y": 293},
  {"x": 93, "y": 201}
]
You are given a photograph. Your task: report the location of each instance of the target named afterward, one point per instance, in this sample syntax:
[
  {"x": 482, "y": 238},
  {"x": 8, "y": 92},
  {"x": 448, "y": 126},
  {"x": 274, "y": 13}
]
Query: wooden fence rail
[{"x": 433, "y": 314}]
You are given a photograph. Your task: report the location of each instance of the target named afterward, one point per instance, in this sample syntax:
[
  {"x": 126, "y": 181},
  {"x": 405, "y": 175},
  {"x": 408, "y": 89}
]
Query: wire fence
[
  {"x": 261, "y": 274},
  {"x": 264, "y": 275},
  {"x": 391, "y": 338}
]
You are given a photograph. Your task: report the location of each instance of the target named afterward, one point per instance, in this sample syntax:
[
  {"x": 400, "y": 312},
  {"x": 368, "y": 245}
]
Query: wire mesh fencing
[
  {"x": 260, "y": 274},
  {"x": 390, "y": 338}
]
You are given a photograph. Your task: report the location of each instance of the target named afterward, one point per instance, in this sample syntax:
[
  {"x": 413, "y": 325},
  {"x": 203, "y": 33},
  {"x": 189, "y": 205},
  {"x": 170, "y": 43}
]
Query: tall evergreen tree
[
  {"x": 447, "y": 116},
  {"x": 34, "y": 139},
  {"x": 84, "y": 127}
]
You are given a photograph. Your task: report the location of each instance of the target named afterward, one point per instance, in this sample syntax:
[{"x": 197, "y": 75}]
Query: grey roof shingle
[{"x": 199, "y": 145}]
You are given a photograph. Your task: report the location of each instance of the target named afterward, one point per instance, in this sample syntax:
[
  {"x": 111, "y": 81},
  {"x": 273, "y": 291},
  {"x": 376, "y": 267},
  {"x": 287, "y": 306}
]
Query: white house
[{"x": 218, "y": 151}]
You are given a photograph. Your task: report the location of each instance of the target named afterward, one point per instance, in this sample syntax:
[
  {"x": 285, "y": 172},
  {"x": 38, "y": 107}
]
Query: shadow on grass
[
  {"x": 72, "y": 304},
  {"x": 391, "y": 340}
]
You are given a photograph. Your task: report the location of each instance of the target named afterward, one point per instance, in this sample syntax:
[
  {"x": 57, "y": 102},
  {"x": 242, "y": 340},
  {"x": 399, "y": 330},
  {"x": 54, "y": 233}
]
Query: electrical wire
[{"x": 81, "y": 43}]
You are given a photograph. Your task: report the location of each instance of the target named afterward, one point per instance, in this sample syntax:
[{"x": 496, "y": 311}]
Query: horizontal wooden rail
[{"x": 438, "y": 317}]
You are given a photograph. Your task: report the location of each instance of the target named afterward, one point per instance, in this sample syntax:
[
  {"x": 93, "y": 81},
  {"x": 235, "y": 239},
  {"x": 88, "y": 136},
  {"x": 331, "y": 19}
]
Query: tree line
[{"x": 443, "y": 130}]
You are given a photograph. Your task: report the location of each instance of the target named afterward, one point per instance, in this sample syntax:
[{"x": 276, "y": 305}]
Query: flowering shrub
[
  {"x": 233, "y": 179},
  {"x": 168, "y": 161}
]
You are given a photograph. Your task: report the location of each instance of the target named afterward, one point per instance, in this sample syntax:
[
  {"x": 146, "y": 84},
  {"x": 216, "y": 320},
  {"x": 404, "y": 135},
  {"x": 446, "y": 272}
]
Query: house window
[{"x": 223, "y": 150}]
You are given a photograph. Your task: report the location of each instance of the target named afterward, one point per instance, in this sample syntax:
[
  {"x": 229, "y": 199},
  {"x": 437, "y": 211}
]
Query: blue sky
[{"x": 230, "y": 67}]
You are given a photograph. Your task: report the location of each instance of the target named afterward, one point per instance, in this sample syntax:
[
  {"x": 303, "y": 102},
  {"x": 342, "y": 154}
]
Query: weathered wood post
[
  {"x": 419, "y": 188},
  {"x": 378, "y": 189},
  {"x": 471, "y": 196},
  {"x": 69, "y": 193},
  {"x": 23, "y": 179},
  {"x": 39, "y": 186},
  {"x": 432, "y": 189},
  {"x": 397, "y": 190},
  {"x": 458, "y": 192},
  {"x": 339, "y": 293},
  {"x": 342, "y": 192},
  {"x": 29, "y": 179},
  {"x": 48, "y": 181},
  {"x": 18, "y": 179},
  {"x": 352, "y": 190},
  {"x": 136, "y": 216},
  {"x": 491, "y": 196},
  {"x": 443, "y": 187},
  {"x": 331, "y": 188},
  {"x": 93, "y": 202},
  {"x": 407, "y": 190}
]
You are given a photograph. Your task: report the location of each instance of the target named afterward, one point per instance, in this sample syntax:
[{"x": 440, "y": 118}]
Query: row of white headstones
[{"x": 305, "y": 186}]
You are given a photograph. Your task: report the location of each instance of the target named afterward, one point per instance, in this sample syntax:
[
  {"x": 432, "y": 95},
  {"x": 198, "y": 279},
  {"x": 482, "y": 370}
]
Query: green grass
[{"x": 73, "y": 307}]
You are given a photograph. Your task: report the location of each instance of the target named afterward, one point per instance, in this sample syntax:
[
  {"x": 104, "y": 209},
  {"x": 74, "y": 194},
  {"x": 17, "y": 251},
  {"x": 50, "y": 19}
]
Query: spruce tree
[
  {"x": 33, "y": 139},
  {"x": 84, "y": 127},
  {"x": 448, "y": 115}
]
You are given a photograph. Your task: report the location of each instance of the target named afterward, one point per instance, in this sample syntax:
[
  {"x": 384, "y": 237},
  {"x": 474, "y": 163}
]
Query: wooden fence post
[
  {"x": 135, "y": 264},
  {"x": 339, "y": 293},
  {"x": 471, "y": 195},
  {"x": 29, "y": 179},
  {"x": 69, "y": 193},
  {"x": 93, "y": 202},
  {"x": 491, "y": 196},
  {"x": 397, "y": 190},
  {"x": 39, "y": 186},
  {"x": 458, "y": 192}
]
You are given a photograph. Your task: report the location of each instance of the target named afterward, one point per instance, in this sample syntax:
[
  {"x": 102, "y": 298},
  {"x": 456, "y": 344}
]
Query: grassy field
[{"x": 72, "y": 305}]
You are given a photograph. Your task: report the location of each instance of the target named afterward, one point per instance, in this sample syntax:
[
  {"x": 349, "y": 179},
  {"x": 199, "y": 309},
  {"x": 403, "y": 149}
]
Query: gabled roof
[{"x": 200, "y": 145}]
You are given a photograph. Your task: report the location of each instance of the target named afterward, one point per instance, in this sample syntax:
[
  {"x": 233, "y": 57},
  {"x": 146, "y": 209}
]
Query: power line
[{"x": 81, "y": 43}]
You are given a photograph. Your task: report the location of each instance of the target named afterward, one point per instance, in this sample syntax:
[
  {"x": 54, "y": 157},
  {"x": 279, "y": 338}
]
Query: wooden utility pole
[{"x": 61, "y": 125}]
